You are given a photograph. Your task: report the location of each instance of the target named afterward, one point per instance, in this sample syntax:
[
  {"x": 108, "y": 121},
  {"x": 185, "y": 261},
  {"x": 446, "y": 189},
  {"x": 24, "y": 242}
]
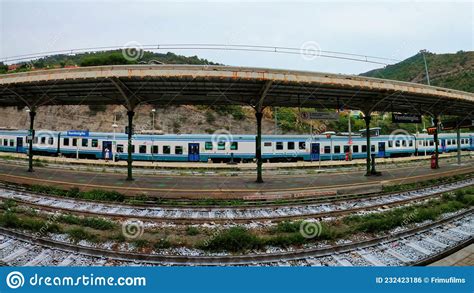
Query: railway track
[
  {"x": 228, "y": 214},
  {"x": 407, "y": 247}
]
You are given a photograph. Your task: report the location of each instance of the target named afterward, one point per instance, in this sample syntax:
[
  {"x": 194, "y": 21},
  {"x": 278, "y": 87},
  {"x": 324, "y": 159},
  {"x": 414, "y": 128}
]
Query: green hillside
[{"x": 454, "y": 71}]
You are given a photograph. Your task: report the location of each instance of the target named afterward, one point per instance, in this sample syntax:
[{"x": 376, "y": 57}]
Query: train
[{"x": 227, "y": 147}]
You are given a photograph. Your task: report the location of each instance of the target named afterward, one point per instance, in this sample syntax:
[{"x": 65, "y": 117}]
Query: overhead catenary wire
[{"x": 308, "y": 52}]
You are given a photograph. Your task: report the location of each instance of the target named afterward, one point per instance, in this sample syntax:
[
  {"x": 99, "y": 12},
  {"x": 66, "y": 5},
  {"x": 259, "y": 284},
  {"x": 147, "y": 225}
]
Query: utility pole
[{"x": 426, "y": 67}]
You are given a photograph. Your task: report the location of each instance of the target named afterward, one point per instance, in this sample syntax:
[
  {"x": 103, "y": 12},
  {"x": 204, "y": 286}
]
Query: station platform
[
  {"x": 229, "y": 187},
  {"x": 225, "y": 166}
]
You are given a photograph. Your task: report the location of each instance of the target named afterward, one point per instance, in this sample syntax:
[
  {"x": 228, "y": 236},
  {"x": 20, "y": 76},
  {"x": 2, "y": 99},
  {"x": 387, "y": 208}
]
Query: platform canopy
[{"x": 225, "y": 85}]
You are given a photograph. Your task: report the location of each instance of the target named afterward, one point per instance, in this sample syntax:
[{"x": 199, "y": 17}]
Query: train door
[
  {"x": 315, "y": 151},
  {"x": 443, "y": 145},
  {"x": 106, "y": 145},
  {"x": 19, "y": 145},
  {"x": 193, "y": 152},
  {"x": 381, "y": 153}
]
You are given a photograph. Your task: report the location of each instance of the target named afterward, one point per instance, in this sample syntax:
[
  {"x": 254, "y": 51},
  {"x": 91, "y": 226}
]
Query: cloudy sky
[{"x": 392, "y": 29}]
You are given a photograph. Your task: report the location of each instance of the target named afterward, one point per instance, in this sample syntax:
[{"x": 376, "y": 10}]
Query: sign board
[
  {"x": 453, "y": 124},
  {"x": 431, "y": 130},
  {"x": 320, "y": 115},
  {"x": 78, "y": 132},
  {"x": 406, "y": 118}
]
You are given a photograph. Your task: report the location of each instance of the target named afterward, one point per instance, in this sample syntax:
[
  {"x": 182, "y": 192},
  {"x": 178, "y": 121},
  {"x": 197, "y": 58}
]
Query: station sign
[
  {"x": 78, "y": 132},
  {"x": 406, "y": 118},
  {"x": 431, "y": 130},
  {"x": 453, "y": 124},
  {"x": 320, "y": 115}
]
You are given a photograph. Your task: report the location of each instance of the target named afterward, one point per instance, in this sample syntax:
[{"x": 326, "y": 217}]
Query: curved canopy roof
[{"x": 223, "y": 85}]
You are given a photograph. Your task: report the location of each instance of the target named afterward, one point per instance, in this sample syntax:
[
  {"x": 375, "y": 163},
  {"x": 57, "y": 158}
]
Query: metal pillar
[
  {"x": 258, "y": 146},
  {"x": 435, "y": 121},
  {"x": 367, "y": 119},
  {"x": 458, "y": 138},
  {"x": 130, "y": 115},
  {"x": 32, "y": 136}
]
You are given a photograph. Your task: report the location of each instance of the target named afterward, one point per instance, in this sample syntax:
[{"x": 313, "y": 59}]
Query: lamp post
[{"x": 153, "y": 118}]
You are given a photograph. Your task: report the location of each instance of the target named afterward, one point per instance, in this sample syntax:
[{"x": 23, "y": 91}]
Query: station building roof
[{"x": 226, "y": 85}]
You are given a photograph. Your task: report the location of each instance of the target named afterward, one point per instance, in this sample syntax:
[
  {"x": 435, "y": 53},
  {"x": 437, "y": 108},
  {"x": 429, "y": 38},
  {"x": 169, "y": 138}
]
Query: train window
[
  {"x": 327, "y": 149},
  {"x": 453, "y": 141},
  {"x": 95, "y": 143},
  {"x": 279, "y": 145},
  {"x": 85, "y": 142},
  {"x": 51, "y": 141},
  {"x": 390, "y": 143},
  {"x": 221, "y": 145},
  {"x": 142, "y": 149},
  {"x": 397, "y": 143},
  {"x": 364, "y": 148},
  {"x": 234, "y": 145},
  {"x": 12, "y": 142},
  {"x": 43, "y": 140},
  {"x": 346, "y": 149},
  {"x": 66, "y": 141},
  {"x": 35, "y": 140},
  {"x": 337, "y": 149},
  {"x": 5, "y": 142},
  {"x": 355, "y": 148},
  {"x": 133, "y": 148},
  {"x": 178, "y": 150},
  {"x": 166, "y": 149},
  {"x": 154, "y": 149},
  {"x": 291, "y": 145},
  {"x": 302, "y": 145},
  {"x": 120, "y": 148},
  {"x": 410, "y": 143},
  {"x": 404, "y": 143},
  {"x": 372, "y": 149},
  {"x": 267, "y": 144},
  {"x": 431, "y": 143},
  {"x": 208, "y": 145},
  {"x": 74, "y": 142}
]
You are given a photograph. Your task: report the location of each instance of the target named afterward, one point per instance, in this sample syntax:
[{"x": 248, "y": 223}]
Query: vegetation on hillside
[{"x": 454, "y": 71}]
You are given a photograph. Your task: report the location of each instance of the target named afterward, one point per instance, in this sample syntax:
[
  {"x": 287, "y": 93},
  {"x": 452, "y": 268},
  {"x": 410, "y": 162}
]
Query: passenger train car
[{"x": 221, "y": 148}]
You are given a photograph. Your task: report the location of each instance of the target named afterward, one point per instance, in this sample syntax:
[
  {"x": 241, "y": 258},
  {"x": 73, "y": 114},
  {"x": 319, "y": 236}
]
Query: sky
[{"x": 390, "y": 29}]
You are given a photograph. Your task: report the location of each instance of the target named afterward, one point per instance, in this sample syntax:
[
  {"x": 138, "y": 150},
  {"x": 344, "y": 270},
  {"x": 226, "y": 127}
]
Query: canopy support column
[
  {"x": 367, "y": 119},
  {"x": 130, "y": 115},
  {"x": 458, "y": 138},
  {"x": 31, "y": 136},
  {"x": 436, "y": 121},
  {"x": 258, "y": 146}
]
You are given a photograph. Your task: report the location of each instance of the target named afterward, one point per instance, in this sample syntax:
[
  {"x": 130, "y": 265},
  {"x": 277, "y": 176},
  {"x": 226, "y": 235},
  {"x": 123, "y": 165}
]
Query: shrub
[
  {"x": 234, "y": 239},
  {"x": 78, "y": 234},
  {"x": 192, "y": 231}
]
